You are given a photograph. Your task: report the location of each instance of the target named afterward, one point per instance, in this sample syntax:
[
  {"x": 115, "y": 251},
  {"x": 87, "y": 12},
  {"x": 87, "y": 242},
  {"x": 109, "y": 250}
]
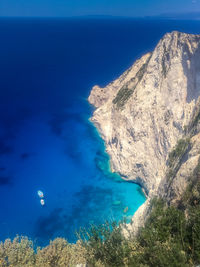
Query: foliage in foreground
[
  {"x": 59, "y": 253},
  {"x": 170, "y": 238}
]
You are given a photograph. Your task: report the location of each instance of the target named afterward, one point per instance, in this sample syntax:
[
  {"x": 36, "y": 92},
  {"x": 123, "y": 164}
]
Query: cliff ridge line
[{"x": 142, "y": 114}]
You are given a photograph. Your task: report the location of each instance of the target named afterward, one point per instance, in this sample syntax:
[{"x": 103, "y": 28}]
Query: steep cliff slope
[
  {"x": 182, "y": 162},
  {"x": 142, "y": 115}
]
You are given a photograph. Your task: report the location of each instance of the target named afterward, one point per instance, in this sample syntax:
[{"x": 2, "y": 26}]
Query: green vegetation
[
  {"x": 196, "y": 120},
  {"x": 158, "y": 244},
  {"x": 17, "y": 253},
  {"x": 191, "y": 196},
  {"x": 192, "y": 127},
  {"x": 122, "y": 96},
  {"x": 178, "y": 152},
  {"x": 165, "y": 58},
  {"x": 125, "y": 93},
  {"x": 175, "y": 159},
  {"x": 59, "y": 253},
  {"x": 171, "y": 237},
  {"x": 105, "y": 244}
]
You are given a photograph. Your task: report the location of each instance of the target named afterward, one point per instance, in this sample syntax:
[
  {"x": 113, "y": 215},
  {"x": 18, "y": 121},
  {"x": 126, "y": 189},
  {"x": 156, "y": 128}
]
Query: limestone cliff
[
  {"x": 143, "y": 114},
  {"x": 182, "y": 161}
]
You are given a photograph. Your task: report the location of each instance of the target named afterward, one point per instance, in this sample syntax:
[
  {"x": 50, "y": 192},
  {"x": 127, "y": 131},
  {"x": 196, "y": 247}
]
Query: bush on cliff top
[{"x": 125, "y": 93}]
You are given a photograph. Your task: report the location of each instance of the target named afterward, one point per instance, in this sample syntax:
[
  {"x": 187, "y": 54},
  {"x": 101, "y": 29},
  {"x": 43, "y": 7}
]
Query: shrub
[
  {"x": 171, "y": 237},
  {"x": 17, "y": 253},
  {"x": 125, "y": 93},
  {"x": 122, "y": 96},
  {"x": 105, "y": 244},
  {"x": 192, "y": 127},
  {"x": 60, "y": 253},
  {"x": 178, "y": 152}
]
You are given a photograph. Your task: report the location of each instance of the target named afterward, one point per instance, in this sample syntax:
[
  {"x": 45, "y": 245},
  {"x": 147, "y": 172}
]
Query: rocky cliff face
[
  {"x": 182, "y": 161},
  {"x": 143, "y": 114}
]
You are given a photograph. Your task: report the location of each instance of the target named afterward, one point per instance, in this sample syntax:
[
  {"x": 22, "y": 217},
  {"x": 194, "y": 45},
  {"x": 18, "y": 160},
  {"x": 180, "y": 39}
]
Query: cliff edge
[{"x": 142, "y": 115}]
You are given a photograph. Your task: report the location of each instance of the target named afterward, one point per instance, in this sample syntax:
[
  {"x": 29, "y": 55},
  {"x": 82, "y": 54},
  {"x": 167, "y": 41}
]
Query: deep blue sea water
[{"x": 47, "y": 69}]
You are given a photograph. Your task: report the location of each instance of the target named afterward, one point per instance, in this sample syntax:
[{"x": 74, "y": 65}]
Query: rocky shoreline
[{"x": 142, "y": 115}]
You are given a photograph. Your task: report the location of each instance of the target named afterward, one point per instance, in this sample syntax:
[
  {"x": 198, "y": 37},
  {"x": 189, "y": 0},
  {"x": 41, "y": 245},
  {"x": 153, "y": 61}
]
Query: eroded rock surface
[{"x": 143, "y": 113}]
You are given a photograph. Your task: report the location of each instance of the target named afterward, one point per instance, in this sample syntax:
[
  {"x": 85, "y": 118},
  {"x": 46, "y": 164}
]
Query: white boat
[
  {"x": 40, "y": 193},
  {"x": 42, "y": 202}
]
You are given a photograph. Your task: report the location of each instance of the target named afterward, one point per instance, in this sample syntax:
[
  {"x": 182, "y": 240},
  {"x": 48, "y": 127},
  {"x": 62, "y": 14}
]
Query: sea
[{"x": 47, "y": 142}]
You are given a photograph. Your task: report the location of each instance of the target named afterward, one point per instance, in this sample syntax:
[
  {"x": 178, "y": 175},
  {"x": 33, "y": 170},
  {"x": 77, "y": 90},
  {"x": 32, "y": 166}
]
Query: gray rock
[{"x": 142, "y": 114}]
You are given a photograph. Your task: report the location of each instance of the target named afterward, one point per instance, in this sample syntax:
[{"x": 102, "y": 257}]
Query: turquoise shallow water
[
  {"x": 73, "y": 172},
  {"x": 47, "y": 143}
]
